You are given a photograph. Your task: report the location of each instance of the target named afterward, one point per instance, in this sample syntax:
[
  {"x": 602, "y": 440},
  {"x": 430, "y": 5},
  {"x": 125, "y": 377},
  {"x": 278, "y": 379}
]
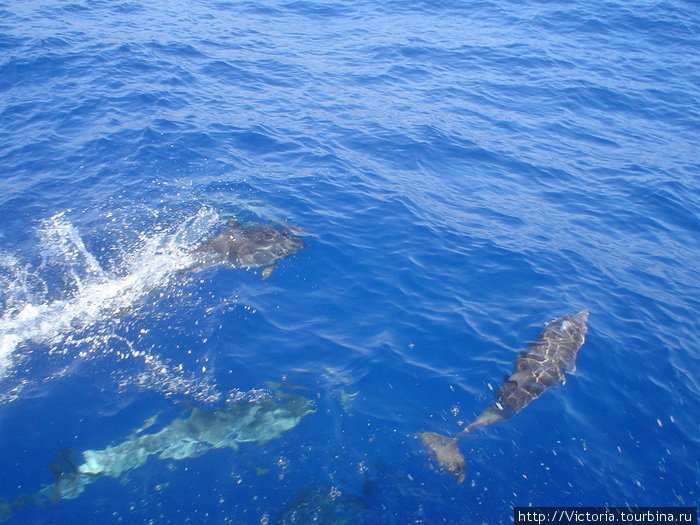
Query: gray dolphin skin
[
  {"x": 536, "y": 369},
  {"x": 241, "y": 421},
  {"x": 257, "y": 246}
]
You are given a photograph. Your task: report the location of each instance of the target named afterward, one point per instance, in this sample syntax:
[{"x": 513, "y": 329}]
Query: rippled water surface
[{"x": 460, "y": 173}]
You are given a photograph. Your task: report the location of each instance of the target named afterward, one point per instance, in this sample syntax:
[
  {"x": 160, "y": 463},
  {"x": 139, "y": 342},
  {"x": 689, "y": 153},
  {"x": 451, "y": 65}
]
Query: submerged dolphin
[
  {"x": 539, "y": 367},
  {"x": 238, "y": 246},
  {"x": 238, "y": 422}
]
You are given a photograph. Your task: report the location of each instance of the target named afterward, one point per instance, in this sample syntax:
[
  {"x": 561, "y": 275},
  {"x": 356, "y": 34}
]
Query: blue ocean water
[{"x": 463, "y": 172}]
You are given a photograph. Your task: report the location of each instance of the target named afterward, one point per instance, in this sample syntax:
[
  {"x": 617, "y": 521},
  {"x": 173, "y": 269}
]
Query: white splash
[{"x": 88, "y": 296}]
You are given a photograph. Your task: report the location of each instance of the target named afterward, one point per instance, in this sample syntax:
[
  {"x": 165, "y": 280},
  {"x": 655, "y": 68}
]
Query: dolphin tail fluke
[
  {"x": 445, "y": 451},
  {"x": 8, "y": 508}
]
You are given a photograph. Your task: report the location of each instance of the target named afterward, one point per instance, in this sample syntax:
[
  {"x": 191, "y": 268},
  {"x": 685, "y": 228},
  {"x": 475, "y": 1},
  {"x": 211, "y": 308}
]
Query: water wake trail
[{"x": 67, "y": 303}]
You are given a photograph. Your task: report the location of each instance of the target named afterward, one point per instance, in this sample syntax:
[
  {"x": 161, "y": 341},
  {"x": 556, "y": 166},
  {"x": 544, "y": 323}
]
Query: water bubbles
[{"x": 72, "y": 305}]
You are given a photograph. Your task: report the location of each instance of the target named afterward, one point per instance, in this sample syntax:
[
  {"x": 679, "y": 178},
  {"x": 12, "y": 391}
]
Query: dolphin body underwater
[
  {"x": 536, "y": 369},
  {"x": 238, "y": 246},
  {"x": 240, "y": 421}
]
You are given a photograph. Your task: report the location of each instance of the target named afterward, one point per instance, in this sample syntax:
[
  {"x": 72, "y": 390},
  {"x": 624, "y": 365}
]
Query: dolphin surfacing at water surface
[
  {"x": 536, "y": 369},
  {"x": 238, "y": 246}
]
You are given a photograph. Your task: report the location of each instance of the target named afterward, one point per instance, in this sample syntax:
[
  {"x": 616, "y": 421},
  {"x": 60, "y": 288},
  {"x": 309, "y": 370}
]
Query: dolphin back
[
  {"x": 254, "y": 246},
  {"x": 540, "y": 366},
  {"x": 536, "y": 369}
]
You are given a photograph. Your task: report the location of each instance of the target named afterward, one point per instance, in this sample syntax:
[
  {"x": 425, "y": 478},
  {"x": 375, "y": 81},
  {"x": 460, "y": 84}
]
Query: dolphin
[
  {"x": 240, "y": 421},
  {"x": 238, "y": 246},
  {"x": 536, "y": 369}
]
